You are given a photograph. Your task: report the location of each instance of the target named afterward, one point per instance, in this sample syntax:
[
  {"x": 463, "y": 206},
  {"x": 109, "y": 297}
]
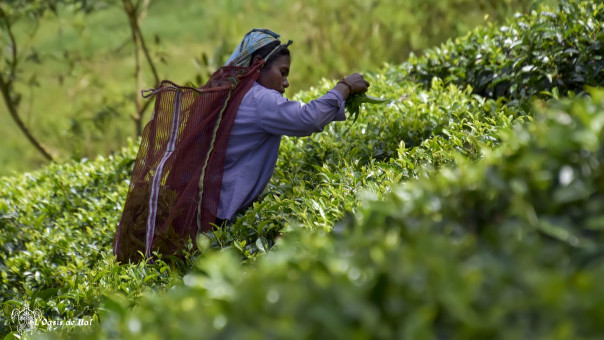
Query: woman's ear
[{"x": 256, "y": 58}]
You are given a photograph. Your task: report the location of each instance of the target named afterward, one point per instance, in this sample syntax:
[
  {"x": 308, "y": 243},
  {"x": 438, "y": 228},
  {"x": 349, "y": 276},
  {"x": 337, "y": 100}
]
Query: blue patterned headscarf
[{"x": 252, "y": 41}]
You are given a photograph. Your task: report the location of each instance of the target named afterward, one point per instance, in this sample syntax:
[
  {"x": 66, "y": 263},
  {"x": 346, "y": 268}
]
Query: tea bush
[
  {"x": 533, "y": 54},
  {"x": 56, "y": 230},
  {"x": 498, "y": 242},
  {"x": 508, "y": 247},
  {"x": 59, "y": 222},
  {"x": 318, "y": 179}
]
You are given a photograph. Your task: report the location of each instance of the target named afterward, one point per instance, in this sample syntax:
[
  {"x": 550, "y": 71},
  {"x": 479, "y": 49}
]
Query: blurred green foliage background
[{"x": 76, "y": 76}]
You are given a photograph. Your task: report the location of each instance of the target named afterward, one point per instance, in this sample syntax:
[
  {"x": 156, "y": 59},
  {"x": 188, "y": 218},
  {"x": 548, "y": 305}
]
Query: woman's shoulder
[
  {"x": 257, "y": 98},
  {"x": 260, "y": 98},
  {"x": 262, "y": 93}
]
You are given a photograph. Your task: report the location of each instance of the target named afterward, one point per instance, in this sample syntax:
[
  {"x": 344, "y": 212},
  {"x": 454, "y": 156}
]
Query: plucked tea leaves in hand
[{"x": 354, "y": 101}]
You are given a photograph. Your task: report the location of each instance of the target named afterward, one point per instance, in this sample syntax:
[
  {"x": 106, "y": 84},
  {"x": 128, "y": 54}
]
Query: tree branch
[
  {"x": 131, "y": 13},
  {"x": 5, "y": 88},
  {"x": 143, "y": 11},
  {"x": 148, "y": 56},
  {"x": 12, "y": 109},
  {"x": 11, "y": 36},
  {"x": 142, "y": 40},
  {"x": 139, "y": 43}
]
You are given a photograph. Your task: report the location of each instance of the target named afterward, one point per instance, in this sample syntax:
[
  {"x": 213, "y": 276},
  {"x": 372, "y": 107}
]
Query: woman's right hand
[
  {"x": 354, "y": 83},
  {"x": 357, "y": 82}
]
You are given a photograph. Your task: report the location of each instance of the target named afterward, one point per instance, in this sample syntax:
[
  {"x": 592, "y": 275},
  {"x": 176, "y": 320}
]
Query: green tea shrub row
[
  {"x": 318, "y": 179},
  {"x": 507, "y": 247},
  {"x": 58, "y": 223},
  {"x": 533, "y": 54},
  {"x": 56, "y": 229}
]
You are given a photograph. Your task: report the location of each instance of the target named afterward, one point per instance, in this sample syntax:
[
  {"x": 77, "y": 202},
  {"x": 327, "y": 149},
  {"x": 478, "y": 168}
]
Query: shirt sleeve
[{"x": 280, "y": 116}]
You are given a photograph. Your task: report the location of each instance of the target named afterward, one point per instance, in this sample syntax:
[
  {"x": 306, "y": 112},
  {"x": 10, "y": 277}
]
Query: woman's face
[{"x": 275, "y": 76}]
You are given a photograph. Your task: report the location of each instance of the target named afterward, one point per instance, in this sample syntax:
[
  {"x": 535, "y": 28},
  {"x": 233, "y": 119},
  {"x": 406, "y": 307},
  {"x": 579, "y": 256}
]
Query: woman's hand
[{"x": 354, "y": 83}]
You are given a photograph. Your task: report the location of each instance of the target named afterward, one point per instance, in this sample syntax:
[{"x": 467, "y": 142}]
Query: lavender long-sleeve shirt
[{"x": 264, "y": 116}]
